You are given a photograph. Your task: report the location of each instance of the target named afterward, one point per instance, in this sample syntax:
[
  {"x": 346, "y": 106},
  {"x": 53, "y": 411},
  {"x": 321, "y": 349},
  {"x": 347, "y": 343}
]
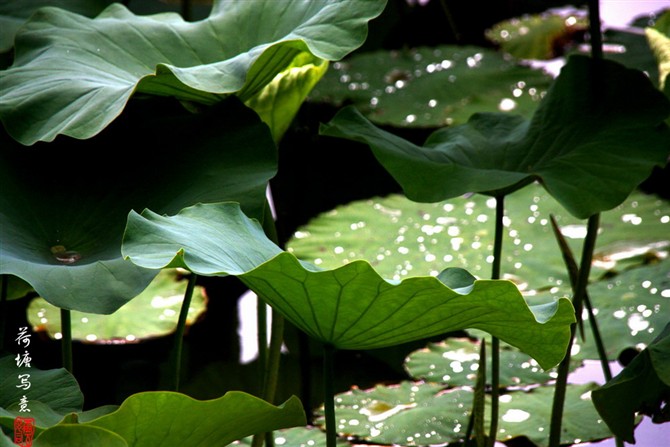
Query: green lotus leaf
[
  {"x": 153, "y": 313},
  {"x": 279, "y": 101},
  {"x": 431, "y": 86},
  {"x": 351, "y": 307},
  {"x": 51, "y": 396},
  {"x": 538, "y": 36},
  {"x": 55, "y": 387},
  {"x": 643, "y": 386},
  {"x": 660, "y": 45},
  {"x": 401, "y": 238},
  {"x": 78, "y": 436},
  {"x": 14, "y": 14},
  {"x": 73, "y": 75},
  {"x": 589, "y": 144},
  {"x": 63, "y": 212},
  {"x": 172, "y": 419},
  {"x": 454, "y": 362},
  {"x": 419, "y": 414}
]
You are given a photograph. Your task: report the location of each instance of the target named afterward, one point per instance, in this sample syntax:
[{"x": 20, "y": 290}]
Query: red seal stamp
[{"x": 24, "y": 430}]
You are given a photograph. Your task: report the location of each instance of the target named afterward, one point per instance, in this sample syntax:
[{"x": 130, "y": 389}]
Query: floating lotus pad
[
  {"x": 538, "y": 36},
  {"x": 455, "y": 362},
  {"x": 432, "y": 87},
  {"x": 419, "y": 414},
  {"x": 351, "y": 307},
  {"x": 153, "y": 313},
  {"x": 402, "y": 238}
]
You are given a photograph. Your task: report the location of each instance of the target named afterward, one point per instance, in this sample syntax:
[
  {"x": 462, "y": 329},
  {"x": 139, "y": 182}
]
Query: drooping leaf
[
  {"x": 595, "y": 136},
  {"x": 63, "y": 211},
  {"x": 172, "y": 420},
  {"x": 643, "y": 386},
  {"x": 73, "y": 75},
  {"x": 431, "y": 87},
  {"x": 351, "y": 307},
  {"x": 153, "y": 313}
]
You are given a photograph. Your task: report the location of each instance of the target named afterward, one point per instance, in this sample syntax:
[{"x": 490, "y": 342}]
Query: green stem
[
  {"x": 594, "y": 30},
  {"x": 269, "y": 359},
  {"x": 181, "y": 325},
  {"x": 329, "y": 394},
  {"x": 66, "y": 340},
  {"x": 479, "y": 399},
  {"x": 450, "y": 20},
  {"x": 573, "y": 272},
  {"x": 577, "y": 301},
  {"x": 495, "y": 342}
]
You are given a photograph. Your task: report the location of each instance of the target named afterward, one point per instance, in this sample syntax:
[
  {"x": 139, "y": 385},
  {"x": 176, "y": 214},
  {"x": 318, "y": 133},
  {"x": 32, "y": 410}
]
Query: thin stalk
[
  {"x": 594, "y": 30},
  {"x": 479, "y": 399},
  {"x": 495, "y": 342},
  {"x": 179, "y": 331},
  {"x": 577, "y": 301},
  {"x": 4, "y": 280},
  {"x": 329, "y": 394},
  {"x": 269, "y": 358},
  {"x": 450, "y": 20},
  {"x": 573, "y": 272},
  {"x": 66, "y": 340}
]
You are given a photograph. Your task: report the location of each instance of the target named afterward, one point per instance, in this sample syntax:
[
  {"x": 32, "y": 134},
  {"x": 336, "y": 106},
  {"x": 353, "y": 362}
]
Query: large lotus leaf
[
  {"x": 351, "y": 307},
  {"x": 538, "y": 36},
  {"x": 455, "y": 362},
  {"x": 73, "y": 75},
  {"x": 14, "y": 14},
  {"x": 417, "y": 413},
  {"x": 63, "y": 211},
  {"x": 431, "y": 87},
  {"x": 596, "y": 135},
  {"x": 643, "y": 386},
  {"x": 173, "y": 420},
  {"x": 402, "y": 238},
  {"x": 153, "y": 313}
]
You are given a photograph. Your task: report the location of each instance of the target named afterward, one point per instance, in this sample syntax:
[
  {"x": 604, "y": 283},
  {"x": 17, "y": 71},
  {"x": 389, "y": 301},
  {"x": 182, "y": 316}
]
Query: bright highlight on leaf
[{"x": 350, "y": 307}]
